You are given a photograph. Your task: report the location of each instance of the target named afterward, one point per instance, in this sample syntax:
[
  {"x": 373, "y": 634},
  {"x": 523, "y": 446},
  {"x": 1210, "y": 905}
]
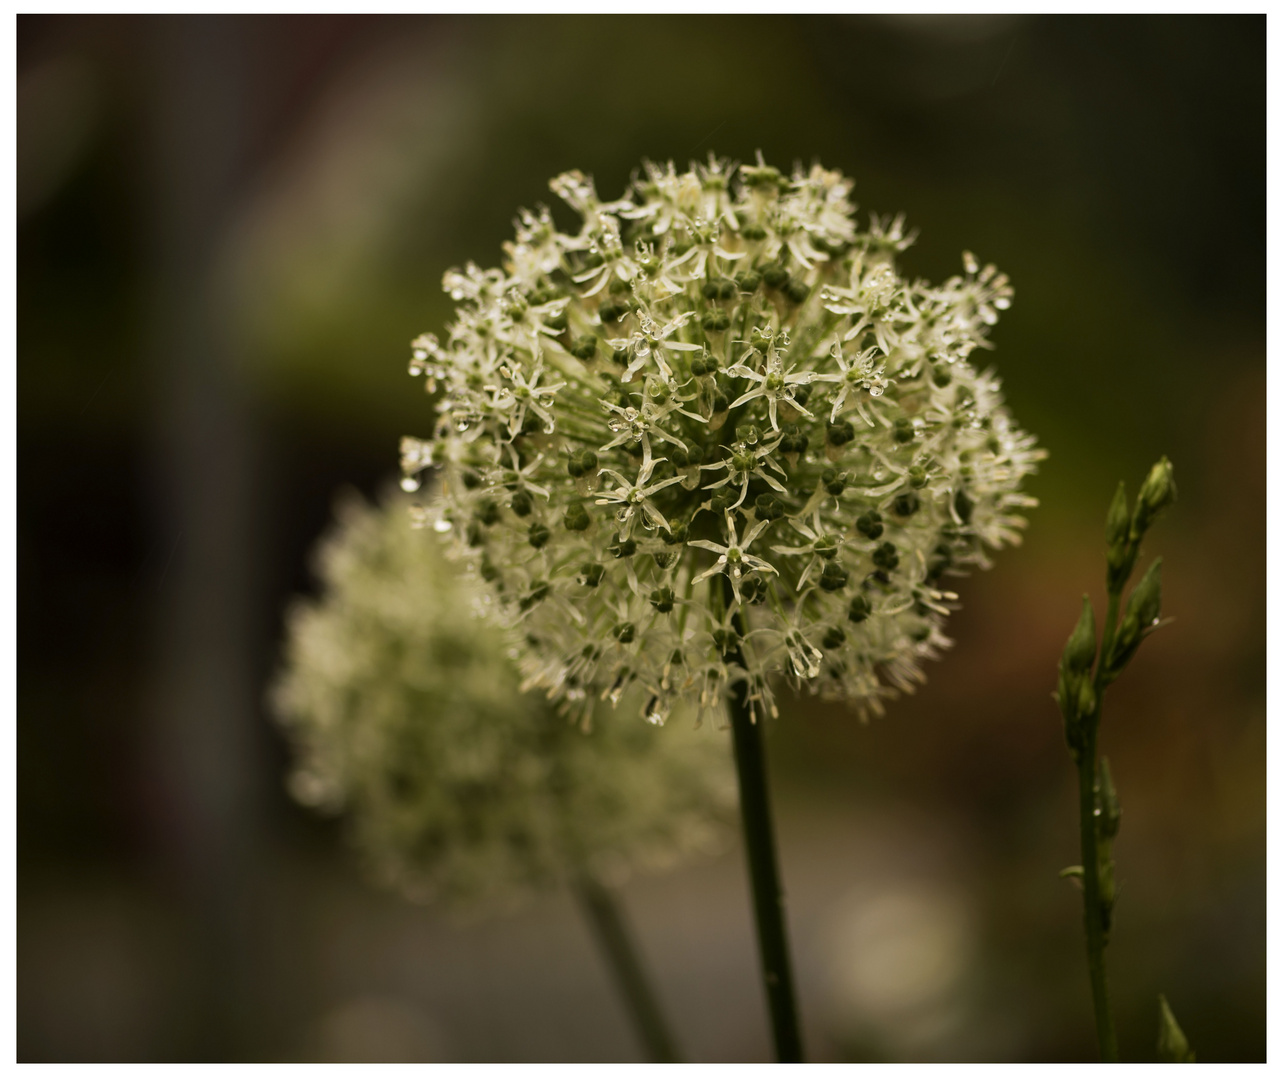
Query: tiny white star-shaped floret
[
  {"x": 631, "y": 497},
  {"x": 733, "y": 558},
  {"x": 774, "y": 384}
]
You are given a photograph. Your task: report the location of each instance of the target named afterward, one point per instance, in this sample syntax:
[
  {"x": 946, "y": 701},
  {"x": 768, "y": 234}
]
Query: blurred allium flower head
[
  {"x": 405, "y": 712},
  {"x": 719, "y": 396}
]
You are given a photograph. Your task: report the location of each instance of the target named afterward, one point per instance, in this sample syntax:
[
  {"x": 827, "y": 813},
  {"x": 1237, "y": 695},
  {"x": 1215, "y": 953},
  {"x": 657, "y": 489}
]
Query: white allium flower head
[
  {"x": 406, "y": 715},
  {"x": 716, "y": 435}
]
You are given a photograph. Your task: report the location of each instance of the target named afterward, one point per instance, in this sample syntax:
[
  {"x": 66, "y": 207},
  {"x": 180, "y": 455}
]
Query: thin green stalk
[
  {"x": 764, "y": 875},
  {"x": 1093, "y": 914},
  {"x": 607, "y": 920},
  {"x": 1088, "y": 816}
]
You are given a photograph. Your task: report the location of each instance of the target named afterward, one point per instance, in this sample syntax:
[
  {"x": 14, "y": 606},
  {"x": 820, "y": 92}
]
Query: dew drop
[
  {"x": 409, "y": 483},
  {"x": 441, "y": 525}
]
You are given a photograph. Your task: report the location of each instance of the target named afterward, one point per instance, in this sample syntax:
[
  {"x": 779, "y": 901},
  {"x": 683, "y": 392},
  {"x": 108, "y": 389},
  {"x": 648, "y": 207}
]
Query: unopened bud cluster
[
  {"x": 1077, "y": 691},
  {"x": 406, "y": 715},
  {"x": 718, "y": 397}
]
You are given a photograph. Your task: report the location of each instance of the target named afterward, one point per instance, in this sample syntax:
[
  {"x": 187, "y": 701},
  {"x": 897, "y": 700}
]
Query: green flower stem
[
  {"x": 607, "y": 920},
  {"x": 1093, "y": 912},
  {"x": 764, "y": 875}
]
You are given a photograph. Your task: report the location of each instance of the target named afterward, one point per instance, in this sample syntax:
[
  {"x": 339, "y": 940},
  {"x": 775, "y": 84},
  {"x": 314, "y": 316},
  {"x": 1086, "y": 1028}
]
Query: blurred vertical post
[{"x": 206, "y": 707}]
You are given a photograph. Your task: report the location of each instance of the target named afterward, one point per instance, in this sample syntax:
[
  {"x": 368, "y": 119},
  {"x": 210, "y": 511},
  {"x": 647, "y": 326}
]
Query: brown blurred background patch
[{"x": 228, "y": 231}]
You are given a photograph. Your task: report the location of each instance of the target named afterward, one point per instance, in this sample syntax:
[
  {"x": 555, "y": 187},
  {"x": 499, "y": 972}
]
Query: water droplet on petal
[{"x": 409, "y": 483}]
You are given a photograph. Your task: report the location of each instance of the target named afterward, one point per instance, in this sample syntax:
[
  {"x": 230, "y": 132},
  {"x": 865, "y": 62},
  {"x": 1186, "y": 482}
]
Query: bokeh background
[{"x": 228, "y": 231}]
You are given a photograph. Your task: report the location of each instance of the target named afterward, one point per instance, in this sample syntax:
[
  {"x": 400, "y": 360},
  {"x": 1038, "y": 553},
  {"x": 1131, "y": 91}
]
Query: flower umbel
[
  {"x": 406, "y": 714},
  {"x": 722, "y": 362}
]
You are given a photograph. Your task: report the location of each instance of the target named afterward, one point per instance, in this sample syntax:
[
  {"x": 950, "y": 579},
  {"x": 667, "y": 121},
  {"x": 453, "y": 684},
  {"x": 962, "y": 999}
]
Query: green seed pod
[
  {"x": 749, "y": 280},
  {"x": 963, "y": 505},
  {"x": 625, "y": 632},
  {"x": 834, "y": 482},
  {"x": 797, "y": 291},
  {"x": 662, "y": 600},
  {"x": 885, "y": 556},
  {"x": 768, "y": 508},
  {"x": 590, "y": 574},
  {"x": 870, "y": 524},
  {"x": 538, "y": 590},
  {"x": 834, "y": 638},
  {"x": 860, "y": 609},
  {"x": 622, "y": 549},
  {"x": 577, "y": 518},
  {"x": 905, "y": 505},
  {"x": 840, "y": 434},
  {"x": 521, "y": 503},
  {"x": 538, "y": 535},
  {"x": 584, "y": 348},
  {"x": 833, "y": 577},
  {"x": 774, "y": 275},
  {"x": 726, "y": 640},
  {"x": 942, "y": 377},
  {"x": 487, "y": 512},
  {"x": 903, "y": 430}
]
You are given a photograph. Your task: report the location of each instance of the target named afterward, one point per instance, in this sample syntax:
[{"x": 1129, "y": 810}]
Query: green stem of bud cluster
[{"x": 1080, "y": 695}]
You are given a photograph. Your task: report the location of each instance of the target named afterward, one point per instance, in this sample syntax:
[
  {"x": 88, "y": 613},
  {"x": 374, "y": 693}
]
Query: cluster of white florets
[
  {"x": 715, "y": 435},
  {"x": 406, "y": 715}
]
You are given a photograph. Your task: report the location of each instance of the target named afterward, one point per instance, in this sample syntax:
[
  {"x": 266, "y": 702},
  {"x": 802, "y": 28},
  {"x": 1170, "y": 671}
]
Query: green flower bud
[
  {"x": 1173, "y": 1047},
  {"x": 521, "y": 503},
  {"x": 1118, "y": 518},
  {"x": 1143, "y": 609},
  {"x": 963, "y": 505},
  {"x": 538, "y": 535},
  {"x": 860, "y": 609},
  {"x": 834, "y": 482},
  {"x": 487, "y": 512},
  {"x": 590, "y": 574},
  {"x": 622, "y": 549},
  {"x": 625, "y": 632},
  {"x": 1157, "y": 493},
  {"x": 1080, "y": 650}
]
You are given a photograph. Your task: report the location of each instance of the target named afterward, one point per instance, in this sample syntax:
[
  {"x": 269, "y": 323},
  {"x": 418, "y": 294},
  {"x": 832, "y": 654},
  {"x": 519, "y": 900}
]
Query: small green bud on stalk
[
  {"x": 1080, "y": 649},
  {"x": 1173, "y": 1047},
  {"x": 1157, "y": 493},
  {"x": 1143, "y": 608},
  {"x": 1121, "y": 558}
]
